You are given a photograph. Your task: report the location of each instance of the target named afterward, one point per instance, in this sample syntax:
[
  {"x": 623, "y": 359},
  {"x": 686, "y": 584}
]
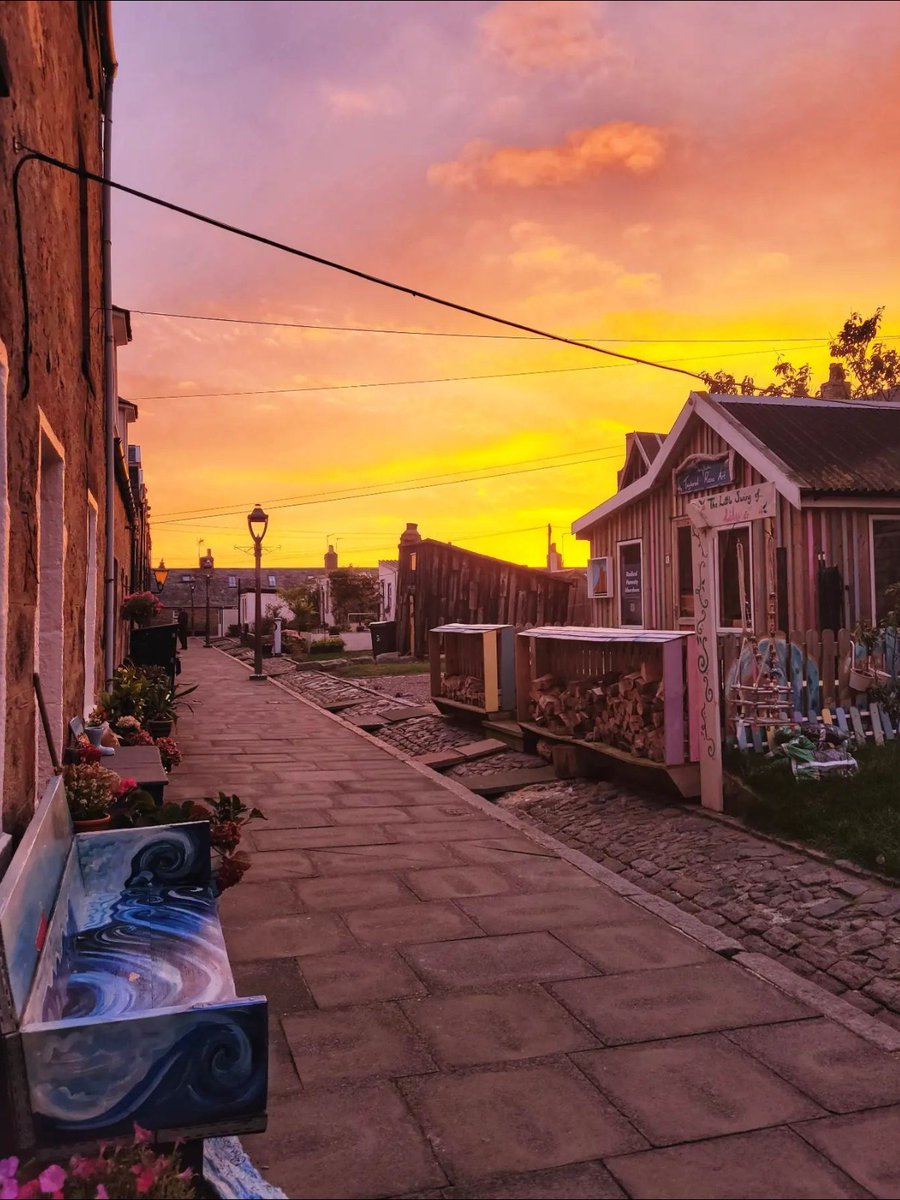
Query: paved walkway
[{"x": 456, "y": 1011}]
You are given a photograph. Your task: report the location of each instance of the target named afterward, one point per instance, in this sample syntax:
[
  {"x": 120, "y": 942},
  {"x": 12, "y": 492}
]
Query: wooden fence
[{"x": 817, "y": 667}]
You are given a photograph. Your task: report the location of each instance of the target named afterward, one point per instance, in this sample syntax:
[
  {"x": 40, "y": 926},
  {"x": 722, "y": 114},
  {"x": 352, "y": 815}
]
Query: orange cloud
[
  {"x": 545, "y": 35},
  {"x": 583, "y": 153}
]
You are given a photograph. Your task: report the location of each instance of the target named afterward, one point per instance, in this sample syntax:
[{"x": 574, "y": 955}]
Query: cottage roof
[{"x": 844, "y": 447}]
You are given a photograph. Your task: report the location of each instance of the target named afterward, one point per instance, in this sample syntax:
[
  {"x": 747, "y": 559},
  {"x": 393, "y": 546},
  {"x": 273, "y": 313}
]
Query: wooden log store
[{"x": 473, "y": 669}]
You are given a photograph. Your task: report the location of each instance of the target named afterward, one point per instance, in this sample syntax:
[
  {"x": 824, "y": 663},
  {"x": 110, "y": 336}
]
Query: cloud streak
[
  {"x": 582, "y": 154},
  {"x": 546, "y": 36}
]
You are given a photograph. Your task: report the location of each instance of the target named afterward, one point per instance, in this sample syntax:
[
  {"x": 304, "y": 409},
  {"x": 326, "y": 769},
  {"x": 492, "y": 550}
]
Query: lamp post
[
  {"x": 160, "y": 575},
  {"x": 206, "y": 566},
  {"x": 257, "y": 523},
  {"x": 192, "y": 607}
]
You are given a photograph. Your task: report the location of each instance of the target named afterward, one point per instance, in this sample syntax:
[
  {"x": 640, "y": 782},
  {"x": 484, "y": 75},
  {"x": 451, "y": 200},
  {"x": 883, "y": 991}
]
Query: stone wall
[{"x": 55, "y": 105}]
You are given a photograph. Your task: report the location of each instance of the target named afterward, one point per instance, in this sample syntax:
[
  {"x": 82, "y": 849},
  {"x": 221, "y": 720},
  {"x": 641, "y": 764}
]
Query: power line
[
  {"x": 406, "y": 488},
  {"x": 83, "y": 173},
  {"x": 411, "y": 383},
  {"x": 212, "y": 510},
  {"x": 508, "y": 337}
]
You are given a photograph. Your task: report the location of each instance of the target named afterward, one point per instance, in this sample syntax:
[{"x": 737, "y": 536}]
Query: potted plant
[
  {"x": 867, "y": 635},
  {"x": 169, "y": 752},
  {"x": 140, "y": 607},
  {"x": 90, "y": 792},
  {"x": 161, "y": 702}
]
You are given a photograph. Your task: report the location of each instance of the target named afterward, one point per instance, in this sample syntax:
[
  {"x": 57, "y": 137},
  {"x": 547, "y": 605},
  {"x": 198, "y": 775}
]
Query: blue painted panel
[
  {"x": 174, "y": 1068},
  {"x": 28, "y": 894}
]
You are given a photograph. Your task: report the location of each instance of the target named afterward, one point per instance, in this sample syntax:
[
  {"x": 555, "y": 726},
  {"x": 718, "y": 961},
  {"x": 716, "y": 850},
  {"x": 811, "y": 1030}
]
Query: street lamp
[
  {"x": 206, "y": 566},
  {"x": 257, "y": 523},
  {"x": 192, "y": 607},
  {"x": 160, "y": 575}
]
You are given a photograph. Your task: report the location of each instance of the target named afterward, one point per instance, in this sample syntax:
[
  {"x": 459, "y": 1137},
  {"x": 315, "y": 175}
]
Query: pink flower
[
  {"x": 52, "y": 1179},
  {"x": 144, "y": 1179},
  {"x": 125, "y": 786},
  {"x": 30, "y": 1190},
  {"x": 101, "y": 1193},
  {"x": 141, "y": 1136}
]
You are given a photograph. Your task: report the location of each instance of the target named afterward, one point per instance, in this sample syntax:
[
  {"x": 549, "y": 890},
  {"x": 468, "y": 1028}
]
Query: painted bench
[{"x": 117, "y": 1001}]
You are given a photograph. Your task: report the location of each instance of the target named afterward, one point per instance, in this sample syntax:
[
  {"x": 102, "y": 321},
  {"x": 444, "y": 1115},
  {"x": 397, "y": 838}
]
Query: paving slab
[
  {"x": 865, "y": 1145},
  {"x": 351, "y": 891},
  {"x": 520, "y": 1119},
  {"x": 394, "y": 925},
  {"x": 288, "y": 937},
  {"x": 508, "y": 781},
  {"x": 408, "y": 712},
  {"x": 492, "y": 1027},
  {"x": 548, "y": 910},
  {"x": 519, "y": 958},
  {"x": 449, "y": 883},
  {"x": 482, "y": 748},
  {"x": 436, "y": 759},
  {"x": 769, "y": 1165},
  {"x": 357, "y": 977},
  {"x": 674, "y": 1001},
  {"x": 354, "y": 1044},
  {"x": 692, "y": 1088},
  {"x": 639, "y": 945},
  {"x": 832, "y": 1065},
  {"x": 585, "y": 1181}
]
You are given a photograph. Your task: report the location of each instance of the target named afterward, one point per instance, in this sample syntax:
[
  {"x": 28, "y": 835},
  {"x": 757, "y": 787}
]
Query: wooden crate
[
  {"x": 621, "y": 693},
  {"x": 473, "y": 668}
]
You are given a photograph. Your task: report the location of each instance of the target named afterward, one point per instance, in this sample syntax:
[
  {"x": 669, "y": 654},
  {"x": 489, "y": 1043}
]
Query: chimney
[
  {"x": 206, "y": 560},
  {"x": 331, "y": 559},
  {"x": 837, "y": 387},
  {"x": 410, "y": 535},
  {"x": 554, "y": 558}
]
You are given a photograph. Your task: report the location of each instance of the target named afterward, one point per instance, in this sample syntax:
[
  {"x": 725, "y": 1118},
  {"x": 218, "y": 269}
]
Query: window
[
  {"x": 885, "y": 559},
  {"x": 631, "y": 584},
  {"x": 599, "y": 577},
  {"x": 271, "y": 581},
  {"x": 187, "y": 579},
  {"x": 684, "y": 573},
  {"x": 232, "y": 581},
  {"x": 734, "y": 564}
]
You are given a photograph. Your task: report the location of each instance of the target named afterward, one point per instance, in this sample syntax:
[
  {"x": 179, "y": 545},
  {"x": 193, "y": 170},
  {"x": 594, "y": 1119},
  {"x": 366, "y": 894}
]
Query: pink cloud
[
  {"x": 362, "y": 102},
  {"x": 545, "y": 35},
  {"x": 582, "y": 154}
]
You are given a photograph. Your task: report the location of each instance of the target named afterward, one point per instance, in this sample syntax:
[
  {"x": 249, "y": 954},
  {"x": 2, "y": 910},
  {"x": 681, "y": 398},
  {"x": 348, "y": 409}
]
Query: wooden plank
[
  {"x": 523, "y": 676},
  {"x": 407, "y": 712},
  {"x": 845, "y": 660},
  {"x": 828, "y": 668},
  {"x": 491, "y": 668},
  {"x": 842, "y": 720},
  {"x": 875, "y": 717},
  {"x": 827, "y": 718},
  {"x": 673, "y": 702},
  {"x": 887, "y": 726},
  {"x": 757, "y": 740},
  {"x": 813, "y": 659},
  {"x": 508, "y": 781},
  {"x": 856, "y": 722}
]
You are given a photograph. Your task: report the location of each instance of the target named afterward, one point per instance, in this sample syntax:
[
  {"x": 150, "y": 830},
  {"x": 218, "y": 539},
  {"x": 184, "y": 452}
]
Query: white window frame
[
  {"x": 91, "y": 595},
  {"x": 873, "y": 517},
  {"x": 748, "y": 525},
  {"x": 688, "y": 622},
  {"x": 639, "y": 542},
  {"x": 594, "y": 571},
  {"x": 271, "y": 579}
]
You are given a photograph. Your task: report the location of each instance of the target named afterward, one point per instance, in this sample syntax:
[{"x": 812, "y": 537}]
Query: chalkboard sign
[
  {"x": 631, "y": 578},
  {"x": 703, "y": 474}
]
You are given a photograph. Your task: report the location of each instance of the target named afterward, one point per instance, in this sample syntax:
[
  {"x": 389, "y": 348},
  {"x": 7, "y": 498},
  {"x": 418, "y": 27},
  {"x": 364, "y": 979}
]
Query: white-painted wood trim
[
  {"x": 891, "y": 503},
  {"x": 716, "y": 568},
  {"x": 53, "y": 685}
]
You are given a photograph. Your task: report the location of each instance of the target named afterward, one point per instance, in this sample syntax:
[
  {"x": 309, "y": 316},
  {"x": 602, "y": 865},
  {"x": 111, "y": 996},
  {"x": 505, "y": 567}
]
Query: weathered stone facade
[{"x": 54, "y": 401}]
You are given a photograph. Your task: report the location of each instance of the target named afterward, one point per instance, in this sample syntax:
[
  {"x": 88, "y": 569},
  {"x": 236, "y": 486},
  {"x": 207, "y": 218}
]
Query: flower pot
[
  {"x": 94, "y": 823},
  {"x": 160, "y": 728},
  {"x": 95, "y": 733},
  {"x": 861, "y": 681}
]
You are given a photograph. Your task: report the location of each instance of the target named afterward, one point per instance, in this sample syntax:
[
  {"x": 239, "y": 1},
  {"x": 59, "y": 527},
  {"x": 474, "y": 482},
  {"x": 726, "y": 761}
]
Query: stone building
[{"x": 56, "y": 66}]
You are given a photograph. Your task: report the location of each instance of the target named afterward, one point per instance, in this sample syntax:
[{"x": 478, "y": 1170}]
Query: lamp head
[
  {"x": 160, "y": 574},
  {"x": 257, "y": 523}
]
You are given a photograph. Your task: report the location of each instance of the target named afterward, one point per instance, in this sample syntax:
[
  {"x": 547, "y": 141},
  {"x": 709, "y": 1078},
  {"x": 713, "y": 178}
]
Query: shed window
[
  {"x": 631, "y": 584},
  {"x": 733, "y": 546},
  {"x": 684, "y": 577},
  {"x": 232, "y": 581},
  {"x": 271, "y": 581},
  {"x": 187, "y": 579},
  {"x": 886, "y": 559}
]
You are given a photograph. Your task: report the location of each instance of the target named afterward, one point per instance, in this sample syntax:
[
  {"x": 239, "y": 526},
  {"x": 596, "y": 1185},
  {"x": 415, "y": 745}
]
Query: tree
[
  {"x": 304, "y": 603},
  {"x": 872, "y": 369},
  {"x": 352, "y": 592}
]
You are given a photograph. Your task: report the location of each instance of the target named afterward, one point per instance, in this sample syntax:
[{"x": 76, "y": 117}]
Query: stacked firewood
[
  {"x": 620, "y": 709},
  {"x": 464, "y": 689}
]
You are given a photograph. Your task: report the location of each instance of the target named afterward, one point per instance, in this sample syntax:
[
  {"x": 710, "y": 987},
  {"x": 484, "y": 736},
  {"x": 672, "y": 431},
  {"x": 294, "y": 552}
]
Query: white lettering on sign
[{"x": 734, "y": 507}]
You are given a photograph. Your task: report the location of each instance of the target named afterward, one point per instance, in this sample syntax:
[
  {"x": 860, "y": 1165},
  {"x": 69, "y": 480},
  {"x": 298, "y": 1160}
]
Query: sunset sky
[{"x": 653, "y": 175}]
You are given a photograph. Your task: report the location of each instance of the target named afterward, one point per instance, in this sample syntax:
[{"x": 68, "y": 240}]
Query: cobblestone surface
[
  {"x": 506, "y": 760},
  {"x": 422, "y": 735},
  {"x": 835, "y": 928}
]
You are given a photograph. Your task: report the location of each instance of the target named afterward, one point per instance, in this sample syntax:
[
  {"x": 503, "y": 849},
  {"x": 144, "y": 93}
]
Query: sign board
[
  {"x": 704, "y": 473},
  {"x": 737, "y": 506},
  {"x": 631, "y": 579}
]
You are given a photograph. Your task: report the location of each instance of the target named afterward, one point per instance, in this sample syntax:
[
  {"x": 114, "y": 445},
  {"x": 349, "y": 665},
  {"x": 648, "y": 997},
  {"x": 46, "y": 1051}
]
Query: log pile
[
  {"x": 620, "y": 709},
  {"x": 464, "y": 689}
]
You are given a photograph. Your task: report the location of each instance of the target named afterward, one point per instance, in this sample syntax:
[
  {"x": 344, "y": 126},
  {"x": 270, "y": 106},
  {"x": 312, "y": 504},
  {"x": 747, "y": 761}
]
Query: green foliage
[
  {"x": 352, "y": 592},
  {"x": 304, "y": 602},
  {"x": 329, "y": 645},
  {"x": 873, "y": 369}
]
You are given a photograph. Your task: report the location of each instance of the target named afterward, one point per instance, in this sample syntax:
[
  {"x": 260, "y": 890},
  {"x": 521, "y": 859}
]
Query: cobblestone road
[{"x": 837, "y": 929}]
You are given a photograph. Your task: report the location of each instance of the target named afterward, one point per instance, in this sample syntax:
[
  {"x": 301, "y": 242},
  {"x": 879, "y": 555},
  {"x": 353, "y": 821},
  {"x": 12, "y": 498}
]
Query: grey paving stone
[{"x": 865, "y": 1145}]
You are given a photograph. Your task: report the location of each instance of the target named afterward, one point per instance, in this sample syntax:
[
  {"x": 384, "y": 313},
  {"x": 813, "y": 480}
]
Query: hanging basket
[{"x": 861, "y": 681}]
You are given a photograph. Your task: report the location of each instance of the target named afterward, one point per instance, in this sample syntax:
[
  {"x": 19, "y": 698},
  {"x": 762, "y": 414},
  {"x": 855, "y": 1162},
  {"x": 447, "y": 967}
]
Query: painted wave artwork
[{"x": 138, "y": 1015}]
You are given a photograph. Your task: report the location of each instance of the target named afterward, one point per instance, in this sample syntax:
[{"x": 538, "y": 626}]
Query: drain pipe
[{"x": 111, "y": 390}]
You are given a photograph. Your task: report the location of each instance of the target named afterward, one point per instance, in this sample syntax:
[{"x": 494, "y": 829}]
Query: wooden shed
[{"x": 821, "y": 560}]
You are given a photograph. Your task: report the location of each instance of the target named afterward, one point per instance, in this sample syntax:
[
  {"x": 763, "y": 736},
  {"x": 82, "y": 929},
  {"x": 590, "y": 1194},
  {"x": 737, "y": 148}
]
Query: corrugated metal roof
[
  {"x": 590, "y": 633},
  {"x": 827, "y": 446}
]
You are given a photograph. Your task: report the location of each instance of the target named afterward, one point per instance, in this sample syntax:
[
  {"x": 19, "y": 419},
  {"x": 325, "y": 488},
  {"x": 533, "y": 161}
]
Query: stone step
[
  {"x": 507, "y": 781},
  {"x": 409, "y": 711}
]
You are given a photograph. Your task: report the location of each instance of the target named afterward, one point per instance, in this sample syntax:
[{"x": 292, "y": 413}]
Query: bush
[
  {"x": 234, "y": 631},
  {"x": 327, "y": 645},
  {"x": 335, "y": 631}
]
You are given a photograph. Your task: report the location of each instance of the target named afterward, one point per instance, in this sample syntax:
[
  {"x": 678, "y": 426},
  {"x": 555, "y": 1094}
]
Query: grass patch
[
  {"x": 369, "y": 670},
  {"x": 857, "y": 817}
]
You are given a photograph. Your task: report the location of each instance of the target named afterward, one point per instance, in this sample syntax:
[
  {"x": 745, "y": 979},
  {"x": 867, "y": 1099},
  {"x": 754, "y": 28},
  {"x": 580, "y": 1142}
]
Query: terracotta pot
[
  {"x": 96, "y": 823},
  {"x": 861, "y": 681}
]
